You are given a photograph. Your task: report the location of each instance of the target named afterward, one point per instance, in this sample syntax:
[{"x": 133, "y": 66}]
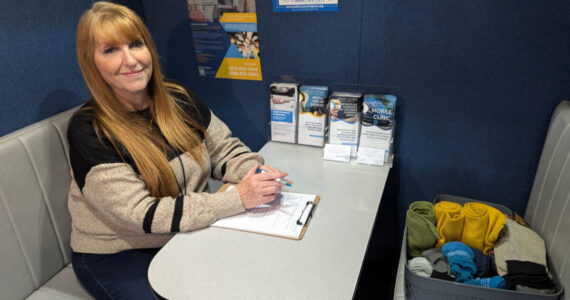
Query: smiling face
[{"x": 126, "y": 67}]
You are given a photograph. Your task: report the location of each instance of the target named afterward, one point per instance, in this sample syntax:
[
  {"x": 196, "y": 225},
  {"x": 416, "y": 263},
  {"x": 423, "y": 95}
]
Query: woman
[{"x": 142, "y": 150}]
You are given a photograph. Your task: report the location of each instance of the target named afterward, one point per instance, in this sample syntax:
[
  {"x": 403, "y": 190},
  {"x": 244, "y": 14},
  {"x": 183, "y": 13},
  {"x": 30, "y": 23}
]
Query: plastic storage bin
[{"x": 422, "y": 288}]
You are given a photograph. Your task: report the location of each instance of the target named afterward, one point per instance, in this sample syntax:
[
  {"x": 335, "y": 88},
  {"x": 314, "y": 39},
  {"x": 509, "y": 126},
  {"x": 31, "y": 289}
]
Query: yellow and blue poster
[{"x": 226, "y": 41}]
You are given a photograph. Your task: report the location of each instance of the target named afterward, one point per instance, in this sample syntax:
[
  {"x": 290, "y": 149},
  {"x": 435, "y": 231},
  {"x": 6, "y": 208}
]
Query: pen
[{"x": 280, "y": 180}]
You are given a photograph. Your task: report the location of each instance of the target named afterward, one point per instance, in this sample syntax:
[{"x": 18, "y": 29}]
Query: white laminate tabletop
[{"x": 216, "y": 263}]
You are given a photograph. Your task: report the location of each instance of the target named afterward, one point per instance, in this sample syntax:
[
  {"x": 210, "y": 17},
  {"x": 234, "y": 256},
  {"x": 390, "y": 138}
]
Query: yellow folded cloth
[
  {"x": 497, "y": 221},
  {"x": 475, "y": 226},
  {"x": 449, "y": 222},
  {"x": 481, "y": 226}
]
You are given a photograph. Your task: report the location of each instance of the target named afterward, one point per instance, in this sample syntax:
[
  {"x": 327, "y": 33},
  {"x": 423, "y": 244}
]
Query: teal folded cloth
[
  {"x": 422, "y": 234},
  {"x": 493, "y": 282},
  {"x": 460, "y": 258}
]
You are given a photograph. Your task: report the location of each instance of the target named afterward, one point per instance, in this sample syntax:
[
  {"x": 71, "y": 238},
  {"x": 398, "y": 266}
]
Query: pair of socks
[
  {"x": 527, "y": 274},
  {"x": 420, "y": 266},
  {"x": 442, "y": 276},
  {"x": 460, "y": 258},
  {"x": 492, "y": 282},
  {"x": 483, "y": 263},
  {"x": 437, "y": 260}
]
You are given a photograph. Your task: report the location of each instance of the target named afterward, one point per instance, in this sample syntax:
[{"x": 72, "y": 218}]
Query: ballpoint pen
[{"x": 280, "y": 180}]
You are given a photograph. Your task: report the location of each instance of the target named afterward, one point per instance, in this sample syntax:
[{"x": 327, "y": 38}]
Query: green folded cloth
[{"x": 422, "y": 234}]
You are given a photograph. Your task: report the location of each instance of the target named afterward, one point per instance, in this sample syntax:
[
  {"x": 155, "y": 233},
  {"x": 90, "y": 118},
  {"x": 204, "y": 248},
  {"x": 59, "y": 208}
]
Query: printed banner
[
  {"x": 225, "y": 37},
  {"x": 304, "y": 5}
]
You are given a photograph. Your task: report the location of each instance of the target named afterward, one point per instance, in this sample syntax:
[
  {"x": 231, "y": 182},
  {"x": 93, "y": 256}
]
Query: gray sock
[{"x": 437, "y": 260}]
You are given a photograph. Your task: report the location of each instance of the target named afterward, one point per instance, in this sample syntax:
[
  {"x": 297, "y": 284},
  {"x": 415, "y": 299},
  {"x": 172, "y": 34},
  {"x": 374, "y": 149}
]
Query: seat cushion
[{"x": 64, "y": 285}]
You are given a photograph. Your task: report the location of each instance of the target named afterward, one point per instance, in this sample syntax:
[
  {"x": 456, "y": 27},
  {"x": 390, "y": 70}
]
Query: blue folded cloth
[
  {"x": 483, "y": 263},
  {"x": 460, "y": 258},
  {"x": 493, "y": 282}
]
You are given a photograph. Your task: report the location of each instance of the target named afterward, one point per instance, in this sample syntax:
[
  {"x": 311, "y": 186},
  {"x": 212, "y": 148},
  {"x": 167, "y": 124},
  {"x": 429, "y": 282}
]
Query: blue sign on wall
[{"x": 304, "y": 5}]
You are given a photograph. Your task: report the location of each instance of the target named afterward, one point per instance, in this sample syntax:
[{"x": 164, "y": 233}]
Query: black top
[{"x": 86, "y": 150}]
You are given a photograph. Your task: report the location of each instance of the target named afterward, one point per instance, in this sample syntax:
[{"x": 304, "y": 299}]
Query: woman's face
[{"x": 126, "y": 67}]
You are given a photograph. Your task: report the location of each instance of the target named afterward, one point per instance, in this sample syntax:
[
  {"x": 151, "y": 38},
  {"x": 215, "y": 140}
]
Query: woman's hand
[{"x": 259, "y": 188}]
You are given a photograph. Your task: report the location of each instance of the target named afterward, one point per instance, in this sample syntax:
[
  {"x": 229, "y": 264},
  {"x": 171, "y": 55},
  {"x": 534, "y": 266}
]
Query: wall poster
[
  {"x": 225, "y": 37},
  {"x": 304, "y": 5}
]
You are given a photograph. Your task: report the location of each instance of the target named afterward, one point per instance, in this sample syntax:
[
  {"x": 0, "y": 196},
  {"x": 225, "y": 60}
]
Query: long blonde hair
[{"x": 117, "y": 24}]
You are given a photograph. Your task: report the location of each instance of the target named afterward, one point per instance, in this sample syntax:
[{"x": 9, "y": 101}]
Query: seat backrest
[
  {"x": 34, "y": 220},
  {"x": 548, "y": 208}
]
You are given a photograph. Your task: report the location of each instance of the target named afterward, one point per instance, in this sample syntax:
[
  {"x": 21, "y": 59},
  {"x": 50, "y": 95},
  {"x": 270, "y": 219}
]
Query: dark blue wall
[{"x": 40, "y": 76}]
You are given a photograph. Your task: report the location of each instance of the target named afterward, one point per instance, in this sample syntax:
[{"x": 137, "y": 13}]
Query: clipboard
[{"x": 288, "y": 218}]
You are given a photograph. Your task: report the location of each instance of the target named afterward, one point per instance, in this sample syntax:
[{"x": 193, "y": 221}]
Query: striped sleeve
[
  {"x": 118, "y": 196},
  {"x": 230, "y": 158}
]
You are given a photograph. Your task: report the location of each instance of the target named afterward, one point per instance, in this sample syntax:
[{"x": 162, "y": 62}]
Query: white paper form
[{"x": 278, "y": 217}]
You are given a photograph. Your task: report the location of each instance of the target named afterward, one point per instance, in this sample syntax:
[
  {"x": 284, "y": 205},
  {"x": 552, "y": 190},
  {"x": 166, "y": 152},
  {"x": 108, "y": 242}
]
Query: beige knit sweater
[{"x": 111, "y": 208}]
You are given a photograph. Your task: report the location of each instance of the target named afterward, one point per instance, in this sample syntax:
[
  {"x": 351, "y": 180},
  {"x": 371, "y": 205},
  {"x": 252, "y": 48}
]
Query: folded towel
[
  {"x": 496, "y": 224},
  {"x": 422, "y": 234},
  {"x": 475, "y": 225},
  {"x": 519, "y": 243},
  {"x": 482, "y": 225},
  {"x": 449, "y": 222}
]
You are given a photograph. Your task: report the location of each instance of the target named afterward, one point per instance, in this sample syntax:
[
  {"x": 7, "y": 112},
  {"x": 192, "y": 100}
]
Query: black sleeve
[{"x": 86, "y": 150}]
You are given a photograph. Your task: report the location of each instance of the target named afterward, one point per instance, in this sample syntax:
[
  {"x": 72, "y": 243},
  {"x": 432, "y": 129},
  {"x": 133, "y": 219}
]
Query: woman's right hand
[{"x": 259, "y": 188}]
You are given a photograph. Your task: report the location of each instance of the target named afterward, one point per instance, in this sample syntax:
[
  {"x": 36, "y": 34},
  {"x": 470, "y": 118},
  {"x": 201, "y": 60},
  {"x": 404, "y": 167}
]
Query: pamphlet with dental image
[
  {"x": 283, "y": 109},
  {"x": 287, "y": 216},
  {"x": 344, "y": 119},
  {"x": 376, "y": 132},
  {"x": 377, "y": 121},
  {"x": 312, "y": 115}
]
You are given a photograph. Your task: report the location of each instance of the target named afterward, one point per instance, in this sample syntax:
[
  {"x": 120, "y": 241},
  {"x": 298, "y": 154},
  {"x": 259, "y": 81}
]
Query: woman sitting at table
[{"x": 142, "y": 150}]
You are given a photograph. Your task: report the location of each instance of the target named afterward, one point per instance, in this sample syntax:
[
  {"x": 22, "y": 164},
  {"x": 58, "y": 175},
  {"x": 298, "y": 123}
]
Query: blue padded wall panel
[
  {"x": 311, "y": 45},
  {"x": 477, "y": 83},
  {"x": 40, "y": 76},
  {"x": 290, "y": 44}
]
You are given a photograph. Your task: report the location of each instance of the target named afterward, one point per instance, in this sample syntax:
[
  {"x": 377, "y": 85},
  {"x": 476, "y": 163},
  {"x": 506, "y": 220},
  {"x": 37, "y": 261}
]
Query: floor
[{"x": 378, "y": 276}]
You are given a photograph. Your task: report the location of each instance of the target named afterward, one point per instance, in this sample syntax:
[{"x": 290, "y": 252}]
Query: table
[{"x": 216, "y": 263}]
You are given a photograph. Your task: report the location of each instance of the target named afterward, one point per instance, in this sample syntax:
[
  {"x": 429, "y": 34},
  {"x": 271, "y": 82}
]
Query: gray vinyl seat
[{"x": 34, "y": 221}]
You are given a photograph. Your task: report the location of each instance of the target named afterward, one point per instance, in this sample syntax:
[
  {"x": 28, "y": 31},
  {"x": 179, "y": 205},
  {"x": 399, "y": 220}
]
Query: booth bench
[{"x": 34, "y": 221}]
